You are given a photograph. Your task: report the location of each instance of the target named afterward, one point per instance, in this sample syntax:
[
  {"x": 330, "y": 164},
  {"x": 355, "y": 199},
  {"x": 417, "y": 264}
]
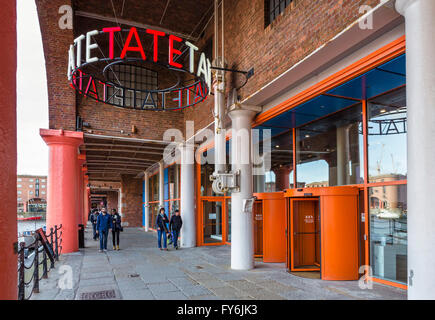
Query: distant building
[{"x": 31, "y": 193}]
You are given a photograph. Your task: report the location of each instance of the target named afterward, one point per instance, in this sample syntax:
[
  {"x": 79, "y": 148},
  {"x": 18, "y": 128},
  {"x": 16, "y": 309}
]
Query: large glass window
[
  {"x": 273, "y": 171},
  {"x": 329, "y": 152},
  {"x": 154, "y": 187},
  {"x": 387, "y": 137},
  {"x": 173, "y": 181},
  {"x": 388, "y": 232}
]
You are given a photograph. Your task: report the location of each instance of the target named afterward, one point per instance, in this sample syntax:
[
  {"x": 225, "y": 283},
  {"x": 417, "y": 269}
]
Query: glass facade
[
  {"x": 329, "y": 152},
  {"x": 387, "y": 137},
  {"x": 273, "y": 168},
  {"x": 388, "y": 232},
  {"x": 323, "y": 143}
]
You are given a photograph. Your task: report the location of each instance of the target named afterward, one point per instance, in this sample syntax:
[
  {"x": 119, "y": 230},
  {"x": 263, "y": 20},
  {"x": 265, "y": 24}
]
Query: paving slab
[{"x": 141, "y": 271}]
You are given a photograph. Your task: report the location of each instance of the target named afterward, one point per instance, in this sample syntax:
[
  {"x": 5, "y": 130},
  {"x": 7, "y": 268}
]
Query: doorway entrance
[
  {"x": 305, "y": 234},
  {"x": 214, "y": 221}
]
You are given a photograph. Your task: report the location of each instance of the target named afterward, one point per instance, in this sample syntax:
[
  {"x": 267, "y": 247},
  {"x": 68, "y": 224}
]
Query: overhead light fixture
[
  {"x": 307, "y": 136},
  {"x": 277, "y": 146},
  {"x": 383, "y": 110}
]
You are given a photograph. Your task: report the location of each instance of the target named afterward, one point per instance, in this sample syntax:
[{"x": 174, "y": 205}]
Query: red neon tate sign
[{"x": 101, "y": 89}]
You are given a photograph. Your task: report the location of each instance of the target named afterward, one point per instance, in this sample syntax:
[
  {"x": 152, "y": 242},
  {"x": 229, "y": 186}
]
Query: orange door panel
[
  {"x": 274, "y": 228},
  {"x": 339, "y": 229}
]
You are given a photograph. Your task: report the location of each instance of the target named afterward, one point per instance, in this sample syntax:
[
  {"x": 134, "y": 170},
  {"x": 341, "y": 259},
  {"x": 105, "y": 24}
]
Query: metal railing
[{"x": 32, "y": 269}]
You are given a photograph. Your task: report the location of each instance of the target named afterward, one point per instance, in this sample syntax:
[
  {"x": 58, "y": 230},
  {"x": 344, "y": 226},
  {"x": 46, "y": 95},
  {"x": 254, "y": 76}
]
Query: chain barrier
[{"x": 38, "y": 268}]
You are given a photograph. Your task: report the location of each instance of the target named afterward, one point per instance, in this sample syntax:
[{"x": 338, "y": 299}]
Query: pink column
[
  {"x": 8, "y": 152},
  {"x": 62, "y": 188}
]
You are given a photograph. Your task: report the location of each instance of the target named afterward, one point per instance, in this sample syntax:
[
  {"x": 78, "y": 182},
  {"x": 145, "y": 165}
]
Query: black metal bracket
[{"x": 248, "y": 74}]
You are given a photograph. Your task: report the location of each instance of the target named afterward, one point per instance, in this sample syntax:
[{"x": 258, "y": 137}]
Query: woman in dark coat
[{"x": 116, "y": 228}]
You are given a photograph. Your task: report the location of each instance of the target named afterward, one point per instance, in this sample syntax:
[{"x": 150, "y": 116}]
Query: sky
[{"x": 32, "y": 100}]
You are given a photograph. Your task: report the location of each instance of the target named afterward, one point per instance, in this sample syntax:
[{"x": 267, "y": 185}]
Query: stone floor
[{"x": 140, "y": 271}]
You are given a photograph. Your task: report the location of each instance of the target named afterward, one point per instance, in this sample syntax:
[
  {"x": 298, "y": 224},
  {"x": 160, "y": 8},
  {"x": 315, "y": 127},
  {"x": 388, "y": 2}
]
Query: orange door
[
  {"x": 258, "y": 229},
  {"x": 339, "y": 237},
  {"x": 274, "y": 229},
  {"x": 305, "y": 234}
]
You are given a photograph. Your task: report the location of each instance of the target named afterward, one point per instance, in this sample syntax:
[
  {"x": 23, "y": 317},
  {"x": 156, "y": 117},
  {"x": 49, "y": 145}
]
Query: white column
[
  {"x": 187, "y": 200},
  {"x": 420, "y": 90},
  {"x": 147, "y": 201},
  {"x": 242, "y": 225},
  {"x": 219, "y": 136},
  {"x": 161, "y": 185},
  {"x": 120, "y": 210}
]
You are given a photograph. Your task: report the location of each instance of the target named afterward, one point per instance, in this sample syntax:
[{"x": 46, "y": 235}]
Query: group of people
[
  {"x": 168, "y": 228},
  {"x": 102, "y": 222}
]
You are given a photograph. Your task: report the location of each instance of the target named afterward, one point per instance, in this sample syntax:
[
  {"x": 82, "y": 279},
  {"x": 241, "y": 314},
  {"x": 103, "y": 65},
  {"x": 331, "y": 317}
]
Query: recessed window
[
  {"x": 135, "y": 78},
  {"x": 30, "y": 192},
  {"x": 18, "y": 185},
  {"x": 30, "y": 185},
  {"x": 42, "y": 180},
  {"x": 274, "y": 8},
  {"x": 19, "y": 179},
  {"x": 42, "y": 192},
  {"x": 43, "y": 186},
  {"x": 31, "y": 180},
  {"x": 18, "y": 192}
]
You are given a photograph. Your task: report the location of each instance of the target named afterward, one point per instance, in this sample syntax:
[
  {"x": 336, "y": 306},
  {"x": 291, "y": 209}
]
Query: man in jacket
[
  {"x": 104, "y": 223},
  {"x": 93, "y": 219},
  {"x": 175, "y": 226},
  {"x": 162, "y": 230}
]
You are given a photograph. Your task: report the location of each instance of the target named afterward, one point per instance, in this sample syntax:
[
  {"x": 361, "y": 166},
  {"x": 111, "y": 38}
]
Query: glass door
[
  {"x": 212, "y": 222},
  {"x": 305, "y": 234}
]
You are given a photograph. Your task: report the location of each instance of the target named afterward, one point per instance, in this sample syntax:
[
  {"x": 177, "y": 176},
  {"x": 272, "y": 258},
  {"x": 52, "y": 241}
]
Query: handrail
[{"x": 54, "y": 241}]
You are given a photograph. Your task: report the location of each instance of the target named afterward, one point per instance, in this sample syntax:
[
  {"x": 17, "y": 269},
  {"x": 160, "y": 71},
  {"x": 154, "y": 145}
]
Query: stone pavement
[{"x": 141, "y": 271}]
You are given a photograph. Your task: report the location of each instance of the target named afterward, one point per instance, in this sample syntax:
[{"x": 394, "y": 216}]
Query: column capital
[
  {"x": 65, "y": 137},
  {"x": 402, "y": 5},
  {"x": 241, "y": 108}
]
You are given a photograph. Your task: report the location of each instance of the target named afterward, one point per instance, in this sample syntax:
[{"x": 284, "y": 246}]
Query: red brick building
[{"x": 31, "y": 193}]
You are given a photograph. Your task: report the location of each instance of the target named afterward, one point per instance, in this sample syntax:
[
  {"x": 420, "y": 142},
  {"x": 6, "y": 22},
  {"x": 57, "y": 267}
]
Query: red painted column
[
  {"x": 8, "y": 151},
  {"x": 81, "y": 159},
  {"x": 282, "y": 178},
  {"x": 62, "y": 186}
]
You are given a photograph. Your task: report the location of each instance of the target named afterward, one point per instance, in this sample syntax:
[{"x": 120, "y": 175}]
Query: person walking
[
  {"x": 162, "y": 229},
  {"x": 175, "y": 226},
  {"x": 104, "y": 223},
  {"x": 116, "y": 228},
  {"x": 93, "y": 219}
]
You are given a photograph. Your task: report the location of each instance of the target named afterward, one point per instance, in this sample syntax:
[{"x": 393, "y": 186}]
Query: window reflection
[
  {"x": 275, "y": 174},
  {"x": 329, "y": 152},
  {"x": 388, "y": 232},
  {"x": 387, "y": 137}
]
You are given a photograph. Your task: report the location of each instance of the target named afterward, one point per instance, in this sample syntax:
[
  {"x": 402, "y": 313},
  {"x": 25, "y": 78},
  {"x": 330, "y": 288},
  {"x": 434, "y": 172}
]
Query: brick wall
[
  {"x": 298, "y": 31},
  {"x": 56, "y": 42},
  {"x": 131, "y": 208},
  {"x": 112, "y": 200}
]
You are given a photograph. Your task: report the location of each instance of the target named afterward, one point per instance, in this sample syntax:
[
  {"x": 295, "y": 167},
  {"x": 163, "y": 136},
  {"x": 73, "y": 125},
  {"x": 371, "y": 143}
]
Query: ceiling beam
[
  {"x": 122, "y": 158},
  {"x": 120, "y": 150},
  {"x": 104, "y": 137},
  {"x": 122, "y": 146}
]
